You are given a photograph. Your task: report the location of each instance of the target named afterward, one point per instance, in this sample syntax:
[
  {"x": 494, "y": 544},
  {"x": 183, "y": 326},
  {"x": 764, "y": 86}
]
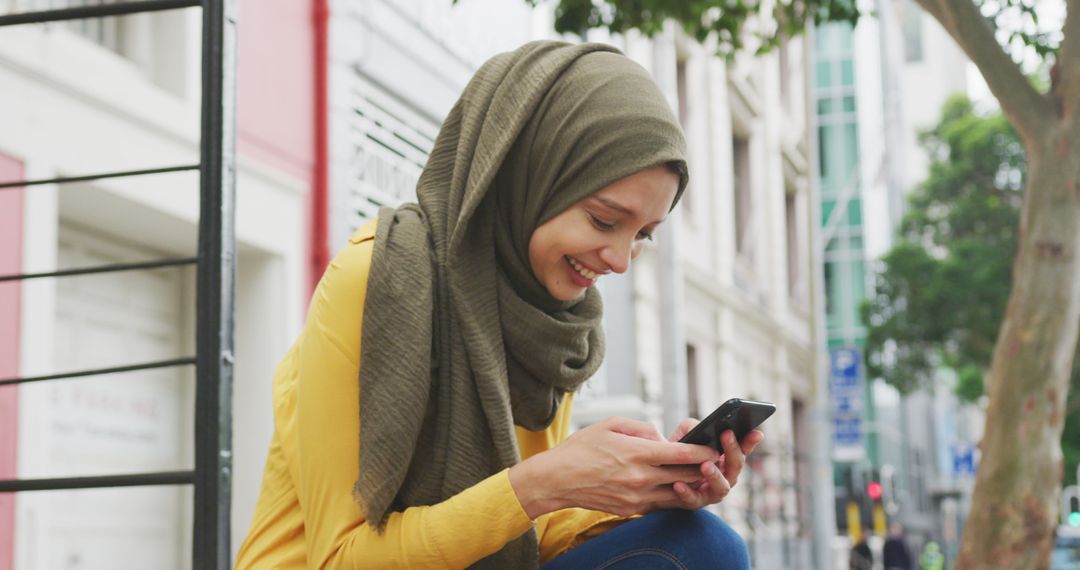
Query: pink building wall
[
  {"x": 10, "y": 262},
  {"x": 275, "y": 85}
]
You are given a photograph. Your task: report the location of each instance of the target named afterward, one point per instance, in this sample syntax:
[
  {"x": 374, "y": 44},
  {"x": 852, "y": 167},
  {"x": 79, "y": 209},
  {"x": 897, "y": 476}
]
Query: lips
[{"x": 579, "y": 274}]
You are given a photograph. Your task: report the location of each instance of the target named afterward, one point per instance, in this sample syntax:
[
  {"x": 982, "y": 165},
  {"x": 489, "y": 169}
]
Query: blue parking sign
[{"x": 846, "y": 398}]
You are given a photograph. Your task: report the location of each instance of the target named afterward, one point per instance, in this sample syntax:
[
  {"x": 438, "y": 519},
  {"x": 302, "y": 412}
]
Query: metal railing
[{"x": 215, "y": 262}]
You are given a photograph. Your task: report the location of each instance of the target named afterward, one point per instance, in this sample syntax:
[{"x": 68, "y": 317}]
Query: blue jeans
[{"x": 674, "y": 539}]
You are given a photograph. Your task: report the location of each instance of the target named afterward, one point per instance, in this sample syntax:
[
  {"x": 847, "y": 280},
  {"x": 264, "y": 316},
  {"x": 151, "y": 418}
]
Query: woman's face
[{"x": 602, "y": 233}]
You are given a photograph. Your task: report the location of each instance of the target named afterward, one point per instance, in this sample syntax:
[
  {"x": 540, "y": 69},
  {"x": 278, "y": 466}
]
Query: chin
[{"x": 568, "y": 294}]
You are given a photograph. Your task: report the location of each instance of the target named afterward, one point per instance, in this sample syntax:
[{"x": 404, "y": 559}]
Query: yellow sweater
[{"x": 306, "y": 516}]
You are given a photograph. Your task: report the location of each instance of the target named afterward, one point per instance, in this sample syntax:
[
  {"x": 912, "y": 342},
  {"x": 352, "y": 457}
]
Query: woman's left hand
[{"x": 718, "y": 477}]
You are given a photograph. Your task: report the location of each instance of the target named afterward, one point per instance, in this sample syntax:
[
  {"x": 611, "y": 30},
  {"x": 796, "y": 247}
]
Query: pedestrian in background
[
  {"x": 861, "y": 558},
  {"x": 895, "y": 554},
  {"x": 435, "y": 435},
  {"x": 932, "y": 558}
]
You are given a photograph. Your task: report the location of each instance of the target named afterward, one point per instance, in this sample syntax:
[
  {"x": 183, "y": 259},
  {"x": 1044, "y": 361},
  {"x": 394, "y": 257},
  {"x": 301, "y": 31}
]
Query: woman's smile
[{"x": 581, "y": 276}]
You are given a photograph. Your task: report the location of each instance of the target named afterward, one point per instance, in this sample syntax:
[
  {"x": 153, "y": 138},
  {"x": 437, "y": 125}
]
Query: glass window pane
[
  {"x": 824, "y": 106},
  {"x": 858, "y": 281},
  {"x": 849, "y": 103},
  {"x": 831, "y": 294},
  {"x": 851, "y": 145},
  {"x": 826, "y": 133},
  {"x": 824, "y": 73},
  {"x": 847, "y": 72},
  {"x": 854, "y": 212},
  {"x": 844, "y": 35}
]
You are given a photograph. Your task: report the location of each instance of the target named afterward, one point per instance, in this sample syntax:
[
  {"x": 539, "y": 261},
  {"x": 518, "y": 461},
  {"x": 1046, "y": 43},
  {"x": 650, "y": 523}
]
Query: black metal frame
[{"x": 216, "y": 268}]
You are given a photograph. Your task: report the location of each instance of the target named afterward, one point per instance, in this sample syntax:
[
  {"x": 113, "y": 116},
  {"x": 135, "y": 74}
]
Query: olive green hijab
[{"x": 460, "y": 341}]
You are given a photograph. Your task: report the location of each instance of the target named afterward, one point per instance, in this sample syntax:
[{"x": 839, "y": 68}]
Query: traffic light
[
  {"x": 1070, "y": 506},
  {"x": 873, "y": 490}
]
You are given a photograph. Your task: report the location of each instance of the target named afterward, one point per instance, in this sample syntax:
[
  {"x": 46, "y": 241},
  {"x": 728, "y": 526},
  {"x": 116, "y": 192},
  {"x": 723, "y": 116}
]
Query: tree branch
[
  {"x": 1068, "y": 64},
  {"x": 1028, "y": 110}
]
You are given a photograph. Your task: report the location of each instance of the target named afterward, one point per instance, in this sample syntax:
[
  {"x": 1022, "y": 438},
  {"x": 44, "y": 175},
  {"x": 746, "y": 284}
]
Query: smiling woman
[{"x": 422, "y": 419}]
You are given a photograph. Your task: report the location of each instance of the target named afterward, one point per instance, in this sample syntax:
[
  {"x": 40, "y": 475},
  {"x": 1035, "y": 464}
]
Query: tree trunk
[{"x": 1015, "y": 503}]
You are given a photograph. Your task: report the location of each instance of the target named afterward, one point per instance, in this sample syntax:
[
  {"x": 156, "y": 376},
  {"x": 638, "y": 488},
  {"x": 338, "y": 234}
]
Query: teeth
[{"x": 580, "y": 269}]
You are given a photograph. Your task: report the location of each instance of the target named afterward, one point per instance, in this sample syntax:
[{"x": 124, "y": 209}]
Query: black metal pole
[
  {"x": 97, "y": 482},
  {"x": 94, "y": 11},
  {"x": 109, "y": 268},
  {"x": 214, "y": 337},
  {"x": 89, "y": 177}
]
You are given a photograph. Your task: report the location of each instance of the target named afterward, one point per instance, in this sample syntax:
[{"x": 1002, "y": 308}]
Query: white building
[{"x": 107, "y": 95}]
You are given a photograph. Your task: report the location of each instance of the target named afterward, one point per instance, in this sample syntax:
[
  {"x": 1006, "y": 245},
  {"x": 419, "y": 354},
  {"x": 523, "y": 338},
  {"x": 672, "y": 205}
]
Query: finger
[
  {"x": 675, "y": 453},
  {"x": 688, "y": 497},
  {"x": 751, "y": 441},
  {"x": 716, "y": 486},
  {"x": 683, "y": 428},
  {"x": 636, "y": 428},
  {"x": 668, "y": 474},
  {"x": 733, "y": 456}
]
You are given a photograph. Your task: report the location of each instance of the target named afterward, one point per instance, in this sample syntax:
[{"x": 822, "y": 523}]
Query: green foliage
[
  {"x": 1070, "y": 436},
  {"x": 1016, "y": 22},
  {"x": 942, "y": 289},
  {"x": 727, "y": 19}
]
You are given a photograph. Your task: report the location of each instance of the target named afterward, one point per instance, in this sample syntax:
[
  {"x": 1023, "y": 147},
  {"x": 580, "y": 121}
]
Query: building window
[
  {"x": 912, "y": 29},
  {"x": 693, "y": 406},
  {"x": 791, "y": 224},
  {"x": 743, "y": 201}
]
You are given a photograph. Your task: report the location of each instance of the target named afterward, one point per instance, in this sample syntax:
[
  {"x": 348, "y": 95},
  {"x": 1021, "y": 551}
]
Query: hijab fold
[{"x": 460, "y": 341}]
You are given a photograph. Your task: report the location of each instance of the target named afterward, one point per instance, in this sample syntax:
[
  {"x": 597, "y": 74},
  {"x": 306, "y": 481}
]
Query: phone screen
[{"x": 740, "y": 416}]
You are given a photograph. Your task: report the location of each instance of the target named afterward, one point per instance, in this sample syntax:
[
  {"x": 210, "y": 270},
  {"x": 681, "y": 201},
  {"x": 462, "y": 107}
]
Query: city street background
[{"x": 844, "y": 249}]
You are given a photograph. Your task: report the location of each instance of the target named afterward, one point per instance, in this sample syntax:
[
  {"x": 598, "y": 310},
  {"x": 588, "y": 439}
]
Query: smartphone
[{"x": 740, "y": 416}]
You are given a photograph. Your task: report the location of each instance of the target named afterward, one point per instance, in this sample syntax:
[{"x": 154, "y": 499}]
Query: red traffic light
[{"x": 873, "y": 489}]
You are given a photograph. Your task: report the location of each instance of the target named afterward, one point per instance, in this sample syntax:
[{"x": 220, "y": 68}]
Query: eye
[
  {"x": 644, "y": 236},
  {"x": 600, "y": 224}
]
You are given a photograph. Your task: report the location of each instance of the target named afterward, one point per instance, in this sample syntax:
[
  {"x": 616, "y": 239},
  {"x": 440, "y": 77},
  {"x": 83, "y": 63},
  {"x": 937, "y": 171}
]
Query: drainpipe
[{"x": 319, "y": 253}]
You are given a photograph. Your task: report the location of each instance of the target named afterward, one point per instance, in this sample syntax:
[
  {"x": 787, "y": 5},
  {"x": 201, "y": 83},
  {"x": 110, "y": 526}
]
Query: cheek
[{"x": 543, "y": 249}]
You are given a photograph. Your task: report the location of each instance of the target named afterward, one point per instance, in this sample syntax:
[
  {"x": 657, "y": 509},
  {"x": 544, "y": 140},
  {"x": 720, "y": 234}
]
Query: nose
[{"x": 617, "y": 255}]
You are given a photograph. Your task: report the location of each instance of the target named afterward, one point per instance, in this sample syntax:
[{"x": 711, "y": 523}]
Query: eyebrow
[
  {"x": 615, "y": 206},
  {"x": 619, "y": 207}
]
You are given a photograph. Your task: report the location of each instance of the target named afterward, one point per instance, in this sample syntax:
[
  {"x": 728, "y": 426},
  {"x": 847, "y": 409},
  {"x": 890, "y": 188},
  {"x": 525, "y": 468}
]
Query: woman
[{"x": 421, "y": 418}]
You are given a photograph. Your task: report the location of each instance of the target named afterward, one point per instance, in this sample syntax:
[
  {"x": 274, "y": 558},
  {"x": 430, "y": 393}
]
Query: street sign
[
  {"x": 964, "y": 459},
  {"x": 846, "y": 398}
]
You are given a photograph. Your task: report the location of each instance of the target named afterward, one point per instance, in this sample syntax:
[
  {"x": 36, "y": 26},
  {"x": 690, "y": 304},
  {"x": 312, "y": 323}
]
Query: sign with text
[{"x": 846, "y": 399}]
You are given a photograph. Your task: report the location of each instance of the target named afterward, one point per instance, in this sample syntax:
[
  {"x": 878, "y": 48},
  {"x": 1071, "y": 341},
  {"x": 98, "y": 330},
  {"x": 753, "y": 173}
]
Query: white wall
[{"x": 70, "y": 107}]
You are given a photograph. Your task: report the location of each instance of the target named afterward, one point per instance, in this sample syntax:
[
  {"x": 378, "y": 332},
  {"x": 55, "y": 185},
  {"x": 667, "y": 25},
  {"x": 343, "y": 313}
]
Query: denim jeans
[{"x": 661, "y": 540}]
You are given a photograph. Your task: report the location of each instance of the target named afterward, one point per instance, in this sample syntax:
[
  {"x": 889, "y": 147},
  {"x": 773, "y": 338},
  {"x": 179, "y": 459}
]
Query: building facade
[{"x": 112, "y": 94}]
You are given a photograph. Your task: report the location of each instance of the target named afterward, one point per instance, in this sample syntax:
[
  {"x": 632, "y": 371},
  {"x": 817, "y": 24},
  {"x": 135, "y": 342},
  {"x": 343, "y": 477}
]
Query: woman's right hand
[{"x": 619, "y": 466}]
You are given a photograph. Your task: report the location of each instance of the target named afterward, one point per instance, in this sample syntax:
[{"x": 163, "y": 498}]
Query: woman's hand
[
  {"x": 619, "y": 465},
  {"x": 720, "y": 475}
]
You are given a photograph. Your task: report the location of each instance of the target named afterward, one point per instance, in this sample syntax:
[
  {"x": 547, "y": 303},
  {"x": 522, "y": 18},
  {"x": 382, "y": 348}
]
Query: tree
[
  {"x": 1015, "y": 501},
  {"x": 943, "y": 287}
]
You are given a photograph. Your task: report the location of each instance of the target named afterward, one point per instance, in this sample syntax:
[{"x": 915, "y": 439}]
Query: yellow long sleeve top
[{"x": 306, "y": 516}]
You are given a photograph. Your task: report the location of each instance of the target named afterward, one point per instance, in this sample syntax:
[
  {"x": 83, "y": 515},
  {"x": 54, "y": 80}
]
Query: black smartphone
[{"x": 740, "y": 416}]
